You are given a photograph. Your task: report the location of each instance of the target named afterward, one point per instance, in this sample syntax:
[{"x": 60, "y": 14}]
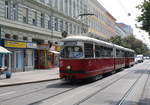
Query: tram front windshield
[{"x": 72, "y": 52}]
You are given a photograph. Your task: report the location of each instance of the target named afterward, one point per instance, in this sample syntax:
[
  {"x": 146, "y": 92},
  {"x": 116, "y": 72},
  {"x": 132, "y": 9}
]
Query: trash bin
[{"x": 8, "y": 74}]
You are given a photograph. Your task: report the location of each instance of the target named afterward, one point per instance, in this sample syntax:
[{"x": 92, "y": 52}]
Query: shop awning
[
  {"x": 55, "y": 52},
  {"x": 4, "y": 50}
]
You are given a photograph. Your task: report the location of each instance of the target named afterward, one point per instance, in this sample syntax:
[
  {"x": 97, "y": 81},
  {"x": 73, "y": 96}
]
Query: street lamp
[{"x": 85, "y": 14}]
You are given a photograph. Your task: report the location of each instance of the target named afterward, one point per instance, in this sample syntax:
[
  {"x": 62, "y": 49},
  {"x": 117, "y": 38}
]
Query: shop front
[
  {"x": 3, "y": 53},
  {"x": 29, "y": 59},
  {"x": 21, "y": 56},
  {"x": 46, "y": 57},
  {"x": 54, "y": 53},
  {"x": 42, "y": 60}
]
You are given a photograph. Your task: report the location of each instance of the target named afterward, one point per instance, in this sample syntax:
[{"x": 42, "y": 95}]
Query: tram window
[
  {"x": 72, "y": 52},
  {"x": 117, "y": 53},
  {"x": 98, "y": 51},
  {"x": 126, "y": 54},
  {"x": 108, "y": 52},
  {"x": 88, "y": 49},
  {"x": 122, "y": 53},
  {"x": 132, "y": 54}
]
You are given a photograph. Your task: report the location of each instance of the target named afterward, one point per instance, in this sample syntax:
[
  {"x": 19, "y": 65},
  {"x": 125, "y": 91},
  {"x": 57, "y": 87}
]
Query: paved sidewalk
[{"x": 30, "y": 77}]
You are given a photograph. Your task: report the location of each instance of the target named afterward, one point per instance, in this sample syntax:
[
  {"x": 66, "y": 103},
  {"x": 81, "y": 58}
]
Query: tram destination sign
[{"x": 70, "y": 43}]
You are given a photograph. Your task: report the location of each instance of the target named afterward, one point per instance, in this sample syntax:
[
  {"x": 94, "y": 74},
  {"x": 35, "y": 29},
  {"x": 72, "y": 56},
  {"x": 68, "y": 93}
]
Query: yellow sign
[
  {"x": 58, "y": 48},
  {"x": 15, "y": 44}
]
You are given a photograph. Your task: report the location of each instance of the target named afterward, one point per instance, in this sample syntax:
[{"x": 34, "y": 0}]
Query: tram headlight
[{"x": 68, "y": 67}]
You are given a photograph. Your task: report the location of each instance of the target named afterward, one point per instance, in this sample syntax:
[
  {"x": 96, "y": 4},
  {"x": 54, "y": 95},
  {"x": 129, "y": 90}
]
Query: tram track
[
  {"x": 74, "y": 89},
  {"x": 65, "y": 91},
  {"x": 142, "y": 101},
  {"x": 122, "y": 99},
  {"x": 39, "y": 91},
  {"x": 129, "y": 91},
  {"x": 48, "y": 97}
]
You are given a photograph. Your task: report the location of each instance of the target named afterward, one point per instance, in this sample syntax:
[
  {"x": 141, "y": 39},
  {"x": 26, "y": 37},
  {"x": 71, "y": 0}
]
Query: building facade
[
  {"x": 31, "y": 29},
  {"x": 119, "y": 31},
  {"x": 28, "y": 27},
  {"x": 126, "y": 28},
  {"x": 102, "y": 24}
]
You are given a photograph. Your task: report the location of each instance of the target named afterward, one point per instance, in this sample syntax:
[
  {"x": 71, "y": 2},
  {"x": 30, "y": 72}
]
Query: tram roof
[
  {"x": 86, "y": 39},
  {"x": 89, "y": 39},
  {"x": 127, "y": 49}
]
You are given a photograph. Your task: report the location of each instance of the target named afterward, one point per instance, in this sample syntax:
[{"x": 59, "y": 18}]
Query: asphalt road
[{"x": 128, "y": 87}]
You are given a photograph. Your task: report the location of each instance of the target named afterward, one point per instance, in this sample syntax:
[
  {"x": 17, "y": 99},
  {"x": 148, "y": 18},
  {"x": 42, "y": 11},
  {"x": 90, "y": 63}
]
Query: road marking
[{"x": 8, "y": 93}]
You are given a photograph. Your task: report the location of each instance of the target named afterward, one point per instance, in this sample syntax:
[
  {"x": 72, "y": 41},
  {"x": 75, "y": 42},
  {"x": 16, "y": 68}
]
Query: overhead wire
[{"x": 123, "y": 7}]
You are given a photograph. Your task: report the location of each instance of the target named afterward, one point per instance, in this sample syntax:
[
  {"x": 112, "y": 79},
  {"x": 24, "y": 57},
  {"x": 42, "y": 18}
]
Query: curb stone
[{"x": 15, "y": 84}]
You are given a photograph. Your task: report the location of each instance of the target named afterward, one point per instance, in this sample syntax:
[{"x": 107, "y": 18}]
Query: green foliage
[
  {"x": 131, "y": 42},
  {"x": 144, "y": 18},
  {"x": 117, "y": 40}
]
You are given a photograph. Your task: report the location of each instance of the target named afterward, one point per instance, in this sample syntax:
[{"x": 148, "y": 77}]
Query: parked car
[
  {"x": 146, "y": 57},
  {"x": 135, "y": 60},
  {"x": 139, "y": 58}
]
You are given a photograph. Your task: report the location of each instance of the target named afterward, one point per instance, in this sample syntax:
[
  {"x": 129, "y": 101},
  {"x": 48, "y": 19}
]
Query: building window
[
  {"x": 78, "y": 9},
  {"x": 25, "y": 15},
  {"x": 74, "y": 29},
  {"x": 34, "y": 19},
  {"x": 74, "y": 8},
  {"x": 56, "y": 4},
  {"x": 66, "y": 26},
  {"x": 15, "y": 11},
  {"x": 78, "y": 30},
  {"x": 7, "y": 36},
  {"x": 70, "y": 8},
  {"x": 15, "y": 37},
  {"x": 49, "y": 3},
  {"x": 70, "y": 28},
  {"x": 42, "y": 20},
  {"x": 7, "y": 9},
  {"x": 66, "y": 7},
  {"x": 25, "y": 38},
  {"x": 81, "y": 4},
  {"x": 61, "y": 5},
  {"x": 61, "y": 25},
  {"x": 50, "y": 23},
  {"x": 56, "y": 24}
]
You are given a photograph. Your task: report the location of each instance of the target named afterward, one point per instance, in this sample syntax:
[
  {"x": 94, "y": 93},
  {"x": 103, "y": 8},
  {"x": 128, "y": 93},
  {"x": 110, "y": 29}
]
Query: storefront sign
[
  {"x": 15, "y": 44},
  {"x": 58, "y": 48},
  {"x": 31, "y": 45},
  {"x": 43, "y": 47}
]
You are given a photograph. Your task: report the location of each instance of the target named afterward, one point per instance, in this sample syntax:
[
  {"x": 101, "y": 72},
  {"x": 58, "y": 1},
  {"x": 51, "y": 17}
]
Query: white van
[{"x": 139, "y": 58}]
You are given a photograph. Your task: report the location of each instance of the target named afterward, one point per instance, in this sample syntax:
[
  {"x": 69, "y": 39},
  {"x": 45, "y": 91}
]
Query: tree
[
  {"x": 116, "y": 40},
  {"x": 144, "y": 18},
  {"x": 131, "y": 42}
]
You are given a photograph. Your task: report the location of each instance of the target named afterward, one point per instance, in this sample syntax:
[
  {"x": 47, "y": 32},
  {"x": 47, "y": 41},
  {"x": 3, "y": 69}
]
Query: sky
[{"x": 119, "y": 9}]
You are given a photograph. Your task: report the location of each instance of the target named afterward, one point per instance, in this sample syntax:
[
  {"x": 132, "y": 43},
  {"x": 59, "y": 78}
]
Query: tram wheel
[
  {"x": 97, "y": 77},
  {"x": 113, "y": 72}
]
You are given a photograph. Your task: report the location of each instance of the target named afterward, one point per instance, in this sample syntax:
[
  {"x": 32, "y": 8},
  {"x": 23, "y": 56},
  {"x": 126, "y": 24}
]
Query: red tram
[{"x": 84, "y": 57}]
